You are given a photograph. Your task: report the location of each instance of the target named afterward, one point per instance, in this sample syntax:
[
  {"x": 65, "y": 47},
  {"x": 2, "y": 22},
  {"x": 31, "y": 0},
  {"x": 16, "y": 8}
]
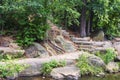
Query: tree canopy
[{"x": 29, "y": 17}]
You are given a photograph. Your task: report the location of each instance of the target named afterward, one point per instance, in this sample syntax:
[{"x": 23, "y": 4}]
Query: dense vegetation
[
  {"x": 86, "y": 68},
  {"x": 27, "y": 19},
  {"x": 9, "y": 67},
  {"x": 107, "y": 57}
]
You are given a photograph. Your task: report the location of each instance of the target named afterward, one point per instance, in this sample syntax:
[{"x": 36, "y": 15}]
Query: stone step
[
  {"x": 83, "y": 42},
  {"x": 94, "y": 49},
  {"x": 86, "y": 49},
  {"x": 85, "y": 46},
  {"x": 80, "y": 39},
  {"x": 90, "y": 43},
  {"x": 117, "y": 39},
  {"x": 8, "y": 50}
]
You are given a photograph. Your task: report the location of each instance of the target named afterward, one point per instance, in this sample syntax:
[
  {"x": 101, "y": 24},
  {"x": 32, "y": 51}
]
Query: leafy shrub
[
  {"x": 26, "y": 18},
  {"x": 10, "y": 68},
  {"x": 108, "y": 56},
  {"x": 47, "y": 67},
  {"x": 31, "y": 34},
  {"x": 86, "y": 68},
  {"x": 106, "y": 16}
]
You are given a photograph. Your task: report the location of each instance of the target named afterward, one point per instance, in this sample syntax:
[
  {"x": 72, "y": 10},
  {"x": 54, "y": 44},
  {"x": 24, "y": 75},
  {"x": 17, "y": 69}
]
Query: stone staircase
[{"x": 87, "y": 44}]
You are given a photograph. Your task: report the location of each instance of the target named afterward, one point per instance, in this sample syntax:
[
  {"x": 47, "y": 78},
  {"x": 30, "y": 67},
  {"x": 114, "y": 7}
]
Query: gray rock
[
  {"x": 10, "y": 51},
  {"x": 34, "y": 64},
  {"x": 107, "y": 44},
  {"x": 102, "y": 74},
  {"x": 67, "y": 45},
  {"x": 99, "y": 36},
  {"x": 5, "y": 44},
  {"x": 117, "y": 58},
  {"x": 13, "y": 77},
  {"x": 36, "y": 50},
  {"x": 117, "y": 47},
  {"x": 117, "y": 39},
  {"x": 33, "y": 69},
  {"x": 67, "y": 73},
  {"x": 96, "y": 61},
  {"x": 112, "y": 67}
]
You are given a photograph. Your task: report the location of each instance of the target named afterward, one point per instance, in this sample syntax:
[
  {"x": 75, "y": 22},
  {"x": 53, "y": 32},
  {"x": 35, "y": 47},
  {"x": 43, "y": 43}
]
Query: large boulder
[
  {"x": 112, "y": 67},
  {"x": 67, "y": 73},
  {"x": 94, "y": 60},
  {"x": 36, "y": 50}
]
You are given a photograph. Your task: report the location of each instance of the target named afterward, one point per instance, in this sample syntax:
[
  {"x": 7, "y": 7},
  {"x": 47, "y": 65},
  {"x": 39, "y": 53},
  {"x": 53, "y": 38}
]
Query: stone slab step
[
  {"x": 10, "y": 50},
  {"x": 81, "y": 39}
]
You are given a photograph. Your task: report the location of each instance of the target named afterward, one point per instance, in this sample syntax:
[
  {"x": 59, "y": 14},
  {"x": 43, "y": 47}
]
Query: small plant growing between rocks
[
  {"x": 4, "y": 57},
  {"x": 108, "y": 56},
  {"x": 86, "y": 68},
  {"x": 9, "y": 68},
  {"x": 48, "y": 66}
]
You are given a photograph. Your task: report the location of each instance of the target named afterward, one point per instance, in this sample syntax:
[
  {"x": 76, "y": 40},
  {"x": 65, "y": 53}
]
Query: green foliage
[
  {"x": 47, "y": 67},
  {"x": 108, "y": 56},
  {"x": 28, "y": 18},
  {"x": 86, "y": 68},
  {"x": 10, "y": 68},
  {"x": 107, "y": 16},
  {"x": 31, "y": 34},
  {"x": 64, "y": 12},
  {"x": 4, "y": 57},
  {"x": 118, "y": 63}
]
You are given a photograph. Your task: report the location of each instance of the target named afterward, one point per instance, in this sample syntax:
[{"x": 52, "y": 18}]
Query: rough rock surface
[
  {"x": 36, "y": 50},
  {"x": 117, "y": 58},
  {"x": 68, "y": 72},
  {"x": 36, "y": 63},
  {"x": 117, "y": 47},
  {"x": 112, "y": 67},
  {"x": 98, "y": 36},
  {"x": 96, "y": 61},
  {"x": 10, "y": 51},
  {"x": 67, "y": 45}
]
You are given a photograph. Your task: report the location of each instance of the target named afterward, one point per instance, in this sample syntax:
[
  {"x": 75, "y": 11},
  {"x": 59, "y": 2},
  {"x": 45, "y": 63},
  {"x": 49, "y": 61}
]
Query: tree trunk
[
  {"x": 1, "y": 24},
  {"x": 83, "y": 20},
  {"x": 89, "y": 26}
]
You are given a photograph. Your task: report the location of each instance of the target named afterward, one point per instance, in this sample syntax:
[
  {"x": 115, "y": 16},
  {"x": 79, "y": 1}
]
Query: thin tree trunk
[
  {"x": 91, "y": 21},
  {"x": 89, "y": 26},
  {"x": 1, "y": 24},
  {"x": 83, "y": 20}
]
